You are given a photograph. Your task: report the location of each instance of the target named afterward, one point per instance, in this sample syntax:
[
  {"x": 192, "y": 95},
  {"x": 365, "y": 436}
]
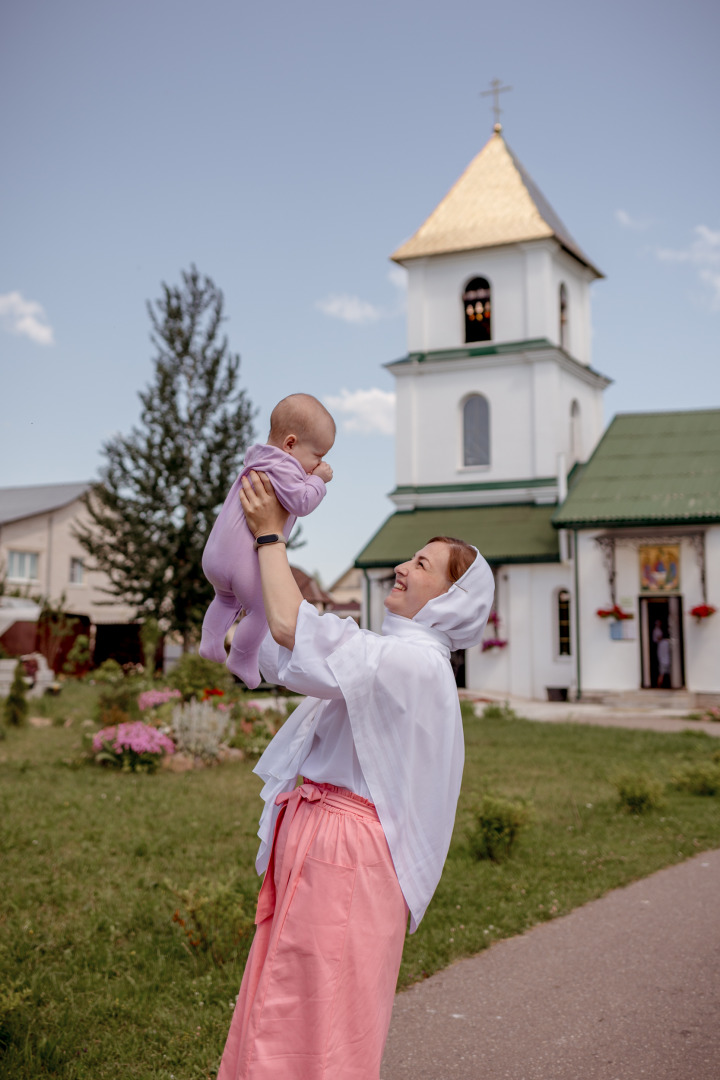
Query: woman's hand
[{"x": 263, "y": 512}]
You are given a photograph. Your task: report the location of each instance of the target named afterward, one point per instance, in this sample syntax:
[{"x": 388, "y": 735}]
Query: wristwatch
[{"x": 269, "y": 538}]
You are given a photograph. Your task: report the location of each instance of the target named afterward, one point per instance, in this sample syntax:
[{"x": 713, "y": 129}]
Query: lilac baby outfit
[{"x": 230, "y": 562}]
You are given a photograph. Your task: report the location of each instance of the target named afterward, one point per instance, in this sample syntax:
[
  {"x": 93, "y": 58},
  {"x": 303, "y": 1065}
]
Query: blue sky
[{"x": 286, "y": 150}]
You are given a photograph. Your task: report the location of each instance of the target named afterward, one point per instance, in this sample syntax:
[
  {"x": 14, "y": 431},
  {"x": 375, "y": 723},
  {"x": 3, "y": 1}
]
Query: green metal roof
[
  {"x": 517, "y": 532},
  {"x": 650, "y": 468}
]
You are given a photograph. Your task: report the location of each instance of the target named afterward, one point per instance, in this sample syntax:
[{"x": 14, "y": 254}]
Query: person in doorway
[
  {"x": 361, "y": 843},
  {"x": 664, "y": 658},
  {"x": 302, "y": 432}
]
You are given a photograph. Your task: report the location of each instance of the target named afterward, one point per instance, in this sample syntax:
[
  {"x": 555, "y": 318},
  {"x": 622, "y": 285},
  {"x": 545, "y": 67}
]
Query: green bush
[
  {"x": 118, "y": 701},
  {"x": 108, "y": 672},
  {"x": 192, "y": 675},
  {"x": 213, "y": 918},
  {"x": 497, "y": 711},
  {"x": 702, "y": 779},
  {"x": 255, "y": 728},
  {"x": 638, "y": 792},
  {"x": 499, "y": 822},
  {"x": 16, "y": 707}
]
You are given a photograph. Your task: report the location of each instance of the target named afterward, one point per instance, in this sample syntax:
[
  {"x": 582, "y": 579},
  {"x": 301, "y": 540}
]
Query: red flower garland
[{"x": 614, "y": 612}]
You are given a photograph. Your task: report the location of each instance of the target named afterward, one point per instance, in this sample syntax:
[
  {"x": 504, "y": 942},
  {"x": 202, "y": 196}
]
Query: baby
[{"x": 302, "y": 431}]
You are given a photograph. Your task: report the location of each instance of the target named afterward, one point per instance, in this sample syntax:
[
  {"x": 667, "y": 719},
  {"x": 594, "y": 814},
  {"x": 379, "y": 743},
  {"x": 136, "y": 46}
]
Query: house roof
[
  {"x": 309, "y": 587},
  {"x": 650, "y": 469},
  {"x": 517, "y": 533},
  {"x": 23, "y": 502},
  {"x": 494, "y": 202}
]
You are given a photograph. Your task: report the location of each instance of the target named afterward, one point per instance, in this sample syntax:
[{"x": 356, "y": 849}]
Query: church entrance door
[{"x": 661, "y": 643}]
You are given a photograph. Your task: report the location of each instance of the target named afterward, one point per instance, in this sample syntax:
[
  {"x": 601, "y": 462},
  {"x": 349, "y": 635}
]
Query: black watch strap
[{"x": 269, "y": 538}]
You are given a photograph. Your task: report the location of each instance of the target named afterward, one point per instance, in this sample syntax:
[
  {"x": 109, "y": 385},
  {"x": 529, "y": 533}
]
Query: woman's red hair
[{"x": 462, "y": 555}]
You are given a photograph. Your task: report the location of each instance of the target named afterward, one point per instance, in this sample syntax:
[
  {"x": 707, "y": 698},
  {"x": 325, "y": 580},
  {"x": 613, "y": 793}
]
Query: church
[{"x": 605, "y": 545}]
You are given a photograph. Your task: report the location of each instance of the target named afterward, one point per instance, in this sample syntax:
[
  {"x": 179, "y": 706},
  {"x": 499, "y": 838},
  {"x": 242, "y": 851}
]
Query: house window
[
  {"x": 22, "y": 566},
  {"x": 77, "y": 571},
  {"x": 476, "y": 431},
  {"x": 563, "y": 317},
  {"x": 476, "y": 305},
  {"x": 563, "y": 623}
]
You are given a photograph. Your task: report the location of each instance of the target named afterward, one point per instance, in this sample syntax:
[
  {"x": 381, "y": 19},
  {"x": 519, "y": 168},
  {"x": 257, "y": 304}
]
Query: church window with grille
[
  {"x": 476, "y": 431},
  {"x": 477, "y": 308},
  {"x": 563, "y": 317},
  {"x": 563, "y": 622}
]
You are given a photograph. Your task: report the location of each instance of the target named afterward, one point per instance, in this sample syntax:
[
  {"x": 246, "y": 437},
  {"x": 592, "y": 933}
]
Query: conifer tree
[
  {"x": 16, "y": 706},
  {"x": 162, "y": 485}
]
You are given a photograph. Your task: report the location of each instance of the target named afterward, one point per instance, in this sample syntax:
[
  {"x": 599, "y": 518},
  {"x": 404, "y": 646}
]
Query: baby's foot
[
  {"x": 212, "y": 648},
  {"x": 245, "y": 667}
]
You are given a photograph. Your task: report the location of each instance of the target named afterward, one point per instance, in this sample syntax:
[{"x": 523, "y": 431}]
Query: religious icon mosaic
[{"x": 659, "y": 568}]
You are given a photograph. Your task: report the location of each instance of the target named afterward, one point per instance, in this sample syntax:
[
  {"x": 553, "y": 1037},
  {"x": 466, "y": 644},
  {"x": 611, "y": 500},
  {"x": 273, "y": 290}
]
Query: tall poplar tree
[{"x": 161, "y": 486}]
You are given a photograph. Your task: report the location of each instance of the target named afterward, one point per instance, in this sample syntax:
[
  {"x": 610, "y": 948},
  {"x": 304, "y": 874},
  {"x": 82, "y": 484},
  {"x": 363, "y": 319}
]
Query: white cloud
[
  {"x": 704, "y": 254},
  {"x": 353, "y": 309},
  {"x": 25, "y": 317},
  {"x": 364, "y": 411},
  {"x": 704, "y": 250},
  {"x": 349, "y": 308},
  {"x": 629, "y": 222}
]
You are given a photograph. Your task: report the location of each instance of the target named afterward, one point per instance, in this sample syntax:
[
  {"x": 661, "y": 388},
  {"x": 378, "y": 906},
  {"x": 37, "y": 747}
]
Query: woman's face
[{"x": 419, "y": 580}]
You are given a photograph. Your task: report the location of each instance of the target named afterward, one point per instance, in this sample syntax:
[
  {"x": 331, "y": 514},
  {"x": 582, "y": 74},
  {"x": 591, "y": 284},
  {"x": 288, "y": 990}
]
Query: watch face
[{"x": 271, "y": 538}]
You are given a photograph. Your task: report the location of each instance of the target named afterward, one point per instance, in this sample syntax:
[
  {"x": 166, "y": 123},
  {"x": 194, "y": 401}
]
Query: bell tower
[{"x": 496, "y": 398}]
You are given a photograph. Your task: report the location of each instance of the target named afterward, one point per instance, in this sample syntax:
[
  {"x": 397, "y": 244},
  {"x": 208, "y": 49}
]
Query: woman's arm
[{"x": 281, "y": 596}]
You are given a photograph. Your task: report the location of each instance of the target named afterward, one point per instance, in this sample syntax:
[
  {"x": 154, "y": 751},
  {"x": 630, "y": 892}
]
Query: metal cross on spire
[{"x": 496, "y": 89}]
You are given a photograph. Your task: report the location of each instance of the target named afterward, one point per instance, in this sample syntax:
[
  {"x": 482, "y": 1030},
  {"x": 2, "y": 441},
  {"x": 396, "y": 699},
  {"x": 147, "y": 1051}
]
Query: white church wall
[
  {"x": 429, "y": 419},
  {"x": 526, "y": 601},
  {"x": 605, "y": 664},
  {"x": 702, "y": 639},
  {"x": 576, "y": 279}
]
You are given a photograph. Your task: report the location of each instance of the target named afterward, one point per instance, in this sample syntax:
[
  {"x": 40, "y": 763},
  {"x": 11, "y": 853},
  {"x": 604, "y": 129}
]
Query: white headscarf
[{"x": 402, "y": 704}]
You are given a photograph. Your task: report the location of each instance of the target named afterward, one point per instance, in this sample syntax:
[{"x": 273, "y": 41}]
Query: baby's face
[{"x": 311, "y": 450}]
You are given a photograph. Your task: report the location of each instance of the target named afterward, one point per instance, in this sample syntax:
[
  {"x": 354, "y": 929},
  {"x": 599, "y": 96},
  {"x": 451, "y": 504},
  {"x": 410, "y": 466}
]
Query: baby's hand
[{"x": 324, "y": 471}]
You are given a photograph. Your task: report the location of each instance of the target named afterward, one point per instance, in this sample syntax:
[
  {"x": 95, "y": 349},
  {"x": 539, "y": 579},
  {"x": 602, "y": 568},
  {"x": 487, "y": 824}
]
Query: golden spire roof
[{"x": 493, "y": 203}]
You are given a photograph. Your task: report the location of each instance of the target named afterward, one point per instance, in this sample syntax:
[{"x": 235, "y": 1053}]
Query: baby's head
[{"x": 302, "y": 427}]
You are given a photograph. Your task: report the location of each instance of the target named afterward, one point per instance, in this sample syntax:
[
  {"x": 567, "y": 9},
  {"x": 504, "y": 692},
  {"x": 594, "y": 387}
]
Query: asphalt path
[{"x": 624, "y": 988}]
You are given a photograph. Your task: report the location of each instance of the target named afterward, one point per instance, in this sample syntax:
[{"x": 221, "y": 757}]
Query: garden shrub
[
  {"x": 108, "y": 672},
  {"x": 117, "y": 698},
  {"x": 16, "y": 707},
  {"x": 638, "y": 792},
  {"x": 499, "y": 822},
  {"x": 193, "y": 675},
  {"x": 497, "y": 711},
  {"x": 199, "y": 729},
  {"x": 254, "y": 728},
  {"x": 701, "y": 779},
  {"x": 213, "y": 918}
]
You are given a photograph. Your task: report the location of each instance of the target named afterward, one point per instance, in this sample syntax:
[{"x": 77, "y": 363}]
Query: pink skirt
[{"x": 318, "y": 987}]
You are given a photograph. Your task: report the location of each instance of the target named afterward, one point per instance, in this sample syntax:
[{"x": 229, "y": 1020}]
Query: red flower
[
  {"x": 614, "y": 612},
  {"x": 702, "y": 611},
  {"x": 208, "y": 693}
]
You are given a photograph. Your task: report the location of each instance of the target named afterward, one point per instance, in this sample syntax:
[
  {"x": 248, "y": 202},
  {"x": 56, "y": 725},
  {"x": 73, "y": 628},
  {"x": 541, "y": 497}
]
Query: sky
[{"x": 286, "y": 150}]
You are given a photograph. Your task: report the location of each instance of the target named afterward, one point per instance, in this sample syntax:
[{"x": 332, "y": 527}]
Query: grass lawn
[{"x": 112, "y": 987}]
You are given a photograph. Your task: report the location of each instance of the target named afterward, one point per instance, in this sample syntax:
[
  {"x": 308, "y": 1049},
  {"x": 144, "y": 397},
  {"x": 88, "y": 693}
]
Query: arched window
[
  {"x": 476, "y": 431},
  {"x": 563, "y": 317},
  {"x": 563, "y": 623},
  {"x": 575, "y": 432},
  {"x": 476, "y": 305}
]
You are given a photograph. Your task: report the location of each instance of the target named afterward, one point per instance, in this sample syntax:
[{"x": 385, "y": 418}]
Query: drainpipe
[{"x": 576, "y": 560}]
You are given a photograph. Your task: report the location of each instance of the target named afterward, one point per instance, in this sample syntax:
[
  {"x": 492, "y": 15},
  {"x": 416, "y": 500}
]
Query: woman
[{"x": 362, "y": 842}]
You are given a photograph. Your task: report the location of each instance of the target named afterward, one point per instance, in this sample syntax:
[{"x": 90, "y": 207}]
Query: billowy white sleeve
[{"x": 305, "y": 669}]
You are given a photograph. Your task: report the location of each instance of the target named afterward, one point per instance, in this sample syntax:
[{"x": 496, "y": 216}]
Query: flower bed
[
  {"x": 133, "y": 747},
  {"x": 151, "y": 699}
]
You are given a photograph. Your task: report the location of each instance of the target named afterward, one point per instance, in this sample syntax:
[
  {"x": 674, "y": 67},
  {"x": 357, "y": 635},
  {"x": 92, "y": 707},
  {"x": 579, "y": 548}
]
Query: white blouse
[{"x": 383, "y": 719}]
